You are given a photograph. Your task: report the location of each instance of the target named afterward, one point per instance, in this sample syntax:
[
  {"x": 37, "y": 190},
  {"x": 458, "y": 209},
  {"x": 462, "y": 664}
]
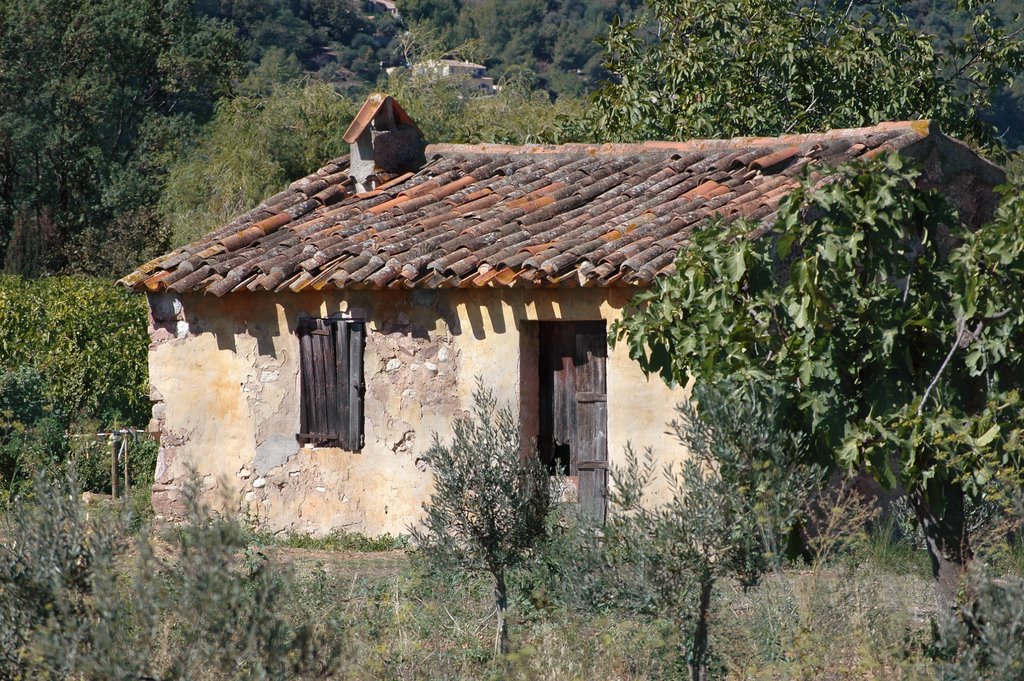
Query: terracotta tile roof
[{"x": 494, "y": 215}]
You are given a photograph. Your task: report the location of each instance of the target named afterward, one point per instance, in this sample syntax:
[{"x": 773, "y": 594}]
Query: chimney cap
[{"x": 376, "y": 104}]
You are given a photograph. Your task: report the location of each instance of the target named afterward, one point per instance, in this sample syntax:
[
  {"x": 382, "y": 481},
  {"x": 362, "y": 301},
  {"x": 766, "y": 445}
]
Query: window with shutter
[{"x": 331, "y": 382}]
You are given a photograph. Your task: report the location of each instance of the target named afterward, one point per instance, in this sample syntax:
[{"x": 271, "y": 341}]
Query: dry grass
[
  {"x": 862, "y": 610},
  {"x": 849, "y": 620}
]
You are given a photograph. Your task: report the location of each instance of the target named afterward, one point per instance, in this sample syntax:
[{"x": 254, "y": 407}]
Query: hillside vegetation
[{"x": 118, "y": 120}]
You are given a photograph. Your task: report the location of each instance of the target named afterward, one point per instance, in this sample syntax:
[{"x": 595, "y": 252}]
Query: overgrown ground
[
  {"x": 216, "y": 600},
  {"x": 864, "y": 615}
]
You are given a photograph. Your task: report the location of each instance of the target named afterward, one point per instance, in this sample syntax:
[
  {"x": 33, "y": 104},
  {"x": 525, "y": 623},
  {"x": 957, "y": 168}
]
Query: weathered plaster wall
[{"x": 225, "y": 382}]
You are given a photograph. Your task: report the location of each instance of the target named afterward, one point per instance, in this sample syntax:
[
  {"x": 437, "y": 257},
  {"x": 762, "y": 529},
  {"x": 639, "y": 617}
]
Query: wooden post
[
  {"x": 115, "y": 445},
  {"x": 124, "y": 446}
]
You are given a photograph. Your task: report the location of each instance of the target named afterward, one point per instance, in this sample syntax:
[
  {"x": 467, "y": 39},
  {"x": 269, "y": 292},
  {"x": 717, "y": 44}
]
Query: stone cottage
[{"x": 303, "y": 355}]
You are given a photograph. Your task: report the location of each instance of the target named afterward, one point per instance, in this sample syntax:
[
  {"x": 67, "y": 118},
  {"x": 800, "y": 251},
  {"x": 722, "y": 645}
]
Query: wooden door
[
  {"x": 573, "y": 423},
  {"x": 591, "y": 445}
]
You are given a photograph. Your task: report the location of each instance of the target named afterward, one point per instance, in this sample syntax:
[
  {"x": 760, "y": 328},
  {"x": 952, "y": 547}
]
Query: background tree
[
  {"x": 93, "y": 98},
  {"x": 732, "y": 505},
  {"x": 438, "y": 14},
  {"x": 489, "y": 503},
  {"x": 894, "y": 332},
  {"x": 254, "y": 146},
  {"x": 711, "y": 68}
]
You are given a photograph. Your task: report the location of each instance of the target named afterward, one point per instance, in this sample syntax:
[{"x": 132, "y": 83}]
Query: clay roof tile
[{"x": 500, "y": 215}]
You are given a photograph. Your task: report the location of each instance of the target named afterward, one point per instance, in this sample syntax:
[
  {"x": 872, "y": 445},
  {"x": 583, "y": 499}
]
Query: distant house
[
  {"x": 303, "y": 354},
  {"x": 383, "y": 7},
  {"x": 473, "y": 76}
]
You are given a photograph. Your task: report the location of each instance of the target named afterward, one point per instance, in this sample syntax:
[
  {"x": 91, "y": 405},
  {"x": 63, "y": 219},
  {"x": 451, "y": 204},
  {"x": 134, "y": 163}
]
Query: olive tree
[
  {"x": 490, "y": 499},
  {"x": 83, "y": 596},
  {"x": 893, "y": 331},
  {"x": 729, "y": 510},
  {"x": 984, "y": 638}
]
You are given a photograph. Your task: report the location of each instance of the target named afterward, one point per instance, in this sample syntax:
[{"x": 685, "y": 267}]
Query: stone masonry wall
[{"x": 225, "y": 383}]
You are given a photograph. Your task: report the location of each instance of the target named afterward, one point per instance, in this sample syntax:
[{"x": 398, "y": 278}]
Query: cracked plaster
[{"x": 228, "y": 402}]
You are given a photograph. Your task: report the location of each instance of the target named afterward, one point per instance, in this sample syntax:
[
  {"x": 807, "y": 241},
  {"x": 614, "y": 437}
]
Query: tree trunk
[
  {"x": 946, "y": 537},
  {"x": 501, "y": 603},
  {"x": 699, "y": 656}
]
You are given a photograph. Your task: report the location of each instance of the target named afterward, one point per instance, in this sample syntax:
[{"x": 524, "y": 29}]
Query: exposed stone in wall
[
  {"x": 408, "y": 369},
  {"x": 227, "y": 398},
  {"x": 167, "y": 318},
  {"x": 309, "y": 493}
]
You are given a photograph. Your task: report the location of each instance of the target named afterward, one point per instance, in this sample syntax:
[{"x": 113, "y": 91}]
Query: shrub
[
  {"x": 489, "y": 503},
  {"x": 731, "y": 506},
  {"x": 27, "y": 450},
  {"x": 73, "y": 352},
  {"x": 85, "y": 342},
  {"x": 83, "y": 597},
  {"x": 90, "y": 457},
  {"x": 585, "y": 569},
  {"x": 21, "y": 398},
  {"x": 338, "y": 540},
  {"x": 984, "y": 638}
]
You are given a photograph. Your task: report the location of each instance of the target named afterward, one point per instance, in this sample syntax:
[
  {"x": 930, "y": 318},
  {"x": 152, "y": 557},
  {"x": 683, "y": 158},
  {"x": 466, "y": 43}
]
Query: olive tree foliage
[
  {"x": 83, "y": 597},
  {"x": 983, "y": 638},
  {"x": 894, "y": 333},
  {"x": 724, "y": 68},
  {"x": 490, "y": 500},
  {"x": 731, "y": 506}
]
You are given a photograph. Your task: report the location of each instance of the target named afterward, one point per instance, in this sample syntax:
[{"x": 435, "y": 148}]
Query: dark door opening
[{"x": 573, "y": 419}]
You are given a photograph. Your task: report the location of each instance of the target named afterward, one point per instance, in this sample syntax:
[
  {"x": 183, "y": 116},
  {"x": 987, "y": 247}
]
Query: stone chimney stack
[{"x": 384, "y": 142}]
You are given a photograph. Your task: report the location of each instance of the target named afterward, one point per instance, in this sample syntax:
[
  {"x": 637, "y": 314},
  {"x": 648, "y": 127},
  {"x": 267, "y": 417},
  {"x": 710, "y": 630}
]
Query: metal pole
[{"x": 115, "y": 446}]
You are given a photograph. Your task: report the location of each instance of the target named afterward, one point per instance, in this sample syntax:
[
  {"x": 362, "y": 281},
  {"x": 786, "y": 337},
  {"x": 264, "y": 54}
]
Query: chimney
[{"x": 384, "y": 142}]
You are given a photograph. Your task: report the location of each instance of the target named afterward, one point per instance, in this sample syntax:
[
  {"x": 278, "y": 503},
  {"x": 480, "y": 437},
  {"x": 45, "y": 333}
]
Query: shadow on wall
[
  {"x": 485, "y": 311},
  {"x": 491, "y": 311}
]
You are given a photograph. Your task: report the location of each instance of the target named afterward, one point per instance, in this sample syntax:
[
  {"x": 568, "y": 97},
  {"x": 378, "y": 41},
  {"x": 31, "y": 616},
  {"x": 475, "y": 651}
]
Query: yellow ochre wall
[{"x": 224, "y": 375}]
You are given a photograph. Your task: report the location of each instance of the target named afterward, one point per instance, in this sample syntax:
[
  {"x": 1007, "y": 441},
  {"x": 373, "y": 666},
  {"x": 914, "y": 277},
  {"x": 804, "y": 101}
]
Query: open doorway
[{"x": 571, "y": 422}]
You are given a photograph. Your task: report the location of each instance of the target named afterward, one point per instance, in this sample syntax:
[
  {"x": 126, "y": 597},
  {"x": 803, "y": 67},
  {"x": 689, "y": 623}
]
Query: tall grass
[{"x": 214, "y": 601}]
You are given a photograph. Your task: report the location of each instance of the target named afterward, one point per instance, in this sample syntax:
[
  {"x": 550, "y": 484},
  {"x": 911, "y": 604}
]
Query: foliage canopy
[
  {"x": 93, "y": 97},
  {"x": 719, "y": 69},
  {"x": 254, "y": 145},
  {"x": 893, "y": 331},
  {"x": 87, "y": 341}
]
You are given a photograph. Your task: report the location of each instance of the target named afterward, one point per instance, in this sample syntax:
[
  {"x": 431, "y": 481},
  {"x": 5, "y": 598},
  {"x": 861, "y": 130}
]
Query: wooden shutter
[
  {"x": 354, "y": 386},
  {"x": 590, "y": 449},
  {"x": 331, "y": 382},
  {"x": 316, "y": 421}
]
